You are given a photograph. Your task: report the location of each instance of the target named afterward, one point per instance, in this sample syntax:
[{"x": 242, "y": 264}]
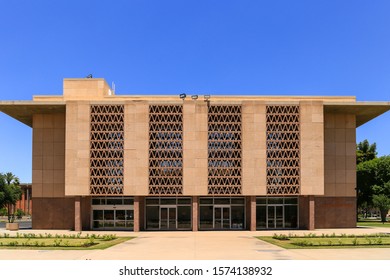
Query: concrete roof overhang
[
  {"x": 23, "y": 111},
  {"x": 364, "y": 111}
]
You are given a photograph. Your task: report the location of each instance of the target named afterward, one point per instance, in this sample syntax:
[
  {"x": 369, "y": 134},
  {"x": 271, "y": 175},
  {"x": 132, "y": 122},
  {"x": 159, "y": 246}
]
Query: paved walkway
[{"x": 210, "y": 245}]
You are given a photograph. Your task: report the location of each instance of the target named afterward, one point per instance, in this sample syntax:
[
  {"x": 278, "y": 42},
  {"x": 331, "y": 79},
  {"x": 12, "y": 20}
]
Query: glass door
[
  {"x": 168, "y": 218},
  {"x": 221, "y": 217},
  {"x": 275, "y": 216},
  {"x": 115, "y": 219}
]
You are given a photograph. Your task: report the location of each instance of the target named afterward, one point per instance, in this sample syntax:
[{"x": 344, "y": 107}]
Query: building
[
  {"x": 25, "y": 202},
  {"x": 106, "y": 161}
]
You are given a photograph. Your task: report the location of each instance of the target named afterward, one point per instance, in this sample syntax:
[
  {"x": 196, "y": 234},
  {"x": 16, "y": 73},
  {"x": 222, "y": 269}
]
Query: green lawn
[
  {"x": 328, "y": 241},
  {"x": 60, "y": 242},
  {"x": 373, "y": 223}
]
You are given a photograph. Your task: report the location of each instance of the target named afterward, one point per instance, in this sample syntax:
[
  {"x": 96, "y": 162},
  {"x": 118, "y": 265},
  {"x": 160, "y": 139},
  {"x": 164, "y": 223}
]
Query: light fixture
[
  {"x": 194, "y": 97},
  {"x": 206, "y": 97},
  {"x": 183, "y": 96}
]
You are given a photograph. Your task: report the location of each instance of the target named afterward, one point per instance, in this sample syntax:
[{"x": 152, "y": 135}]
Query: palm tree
[{"x": 10, "y": 193}]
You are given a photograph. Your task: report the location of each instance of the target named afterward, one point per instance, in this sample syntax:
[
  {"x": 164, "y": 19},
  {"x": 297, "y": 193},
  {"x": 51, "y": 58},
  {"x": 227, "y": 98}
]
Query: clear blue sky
[{"x": 272, "y": 47}]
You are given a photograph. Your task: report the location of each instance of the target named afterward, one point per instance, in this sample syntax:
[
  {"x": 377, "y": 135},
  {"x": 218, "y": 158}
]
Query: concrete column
[
  {"x": 77, "y": 214},
  {"x": 28, "y": 201},
  {"x": 311, "y": 213},
  {"x": 252, "y": 226},
  {"x": 23, "y": 201},
  {"x": 137, "y": 213},
  {"x": 195, "y": 214}
]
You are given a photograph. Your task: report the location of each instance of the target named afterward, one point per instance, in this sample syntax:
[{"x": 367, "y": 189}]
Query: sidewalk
[{"x": 203, "y": 245}]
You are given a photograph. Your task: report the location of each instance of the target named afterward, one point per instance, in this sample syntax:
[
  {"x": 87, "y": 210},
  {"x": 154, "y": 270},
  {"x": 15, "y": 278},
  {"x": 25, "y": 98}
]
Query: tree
[
  {"x": 373, "y": 178},
  {"x": 365, "y": 151},
  {"x": 365, "y": 173},
  {"x": 382, "y": 202},
  {"x": 10, "y": 193}
]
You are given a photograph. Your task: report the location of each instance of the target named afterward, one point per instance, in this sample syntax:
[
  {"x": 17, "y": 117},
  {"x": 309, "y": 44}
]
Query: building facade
[{"x": 103, "y": 161}]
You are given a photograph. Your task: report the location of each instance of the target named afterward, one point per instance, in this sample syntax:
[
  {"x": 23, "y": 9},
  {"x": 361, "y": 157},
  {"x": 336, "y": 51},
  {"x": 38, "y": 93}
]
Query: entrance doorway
[
  {"x": 276, "y": 213},
  {"x": 221, "y": 217},
  {"x": 112, "y": 213},
  {"x": 168, "y": 218},
  {"x": 275, "y": 216},
  {"x": 168, "y": 213},
  {"x": 221, "y": 213}
]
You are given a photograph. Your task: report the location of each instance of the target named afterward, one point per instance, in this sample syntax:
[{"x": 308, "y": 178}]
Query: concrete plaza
[{"x": 203, "y": 245}]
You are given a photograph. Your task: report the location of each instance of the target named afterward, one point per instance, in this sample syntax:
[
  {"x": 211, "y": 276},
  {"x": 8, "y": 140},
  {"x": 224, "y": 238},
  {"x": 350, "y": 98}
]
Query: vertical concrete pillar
[
  {"x": 77, "y": 214},
  {"x": 28, "y": 201},
  {"x": 311, "y": 225},
  {"x": 195, "y": 214},
  {"x": 142, "y": 213},
  {"x": 136, "y": 213},
  {"x": 31, "y": 206},
  {"x": 23, "y": 201},
  {"x": 252, "y": 226}
]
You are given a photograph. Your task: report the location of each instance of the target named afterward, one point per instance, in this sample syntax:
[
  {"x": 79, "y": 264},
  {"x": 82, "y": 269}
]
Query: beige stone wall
[
  {"x": 253, "y": 148},
  {"x": 195, "y": 148},
  {"x": 48, "y": 174},
  {"x": 312, "y": 147},
  {"x": 136, "y": 154},
  {"x": 85, "y": 89},
  {"x": 340, "y": 155},
  {"x": 77, "y": 148}
]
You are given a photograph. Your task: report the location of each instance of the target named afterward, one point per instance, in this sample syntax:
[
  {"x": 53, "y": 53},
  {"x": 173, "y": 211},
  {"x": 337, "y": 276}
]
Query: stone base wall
[
  {"x": 58, "y": 213},
  {"x": 335, "y": 212}
]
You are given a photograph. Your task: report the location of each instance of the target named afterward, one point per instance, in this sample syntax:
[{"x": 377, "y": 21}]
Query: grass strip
[
  {"x": 332, "y": 241},
  {"x": 60, "y": 242}
]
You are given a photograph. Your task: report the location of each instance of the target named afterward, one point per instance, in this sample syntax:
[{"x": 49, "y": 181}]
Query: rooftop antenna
[
  {"x": 89, "y": 76},
  {"x": 113, "y": 88}
]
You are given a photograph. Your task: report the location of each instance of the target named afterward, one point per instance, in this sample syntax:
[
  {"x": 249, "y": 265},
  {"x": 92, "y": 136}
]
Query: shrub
[
  {"x": 19, "y": 213},
  {"x": 13, "y": 243},
  {"x": 280, "y": 237},
  {"x": 3, "y": 212},
  {"x": 369, "y": 241},
  {"x": 303, "y": 243},
  {"x": 108, "y": 237},
  {"x": 89, "y": 242}
]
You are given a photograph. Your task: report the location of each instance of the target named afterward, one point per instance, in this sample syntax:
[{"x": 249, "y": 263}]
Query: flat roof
[
  {"x": 23, "y": 111},
  {"x": 364, "y": 111}
]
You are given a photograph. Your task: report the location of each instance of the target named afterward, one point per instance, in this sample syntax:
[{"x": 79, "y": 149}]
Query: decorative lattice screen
[
  {"x": 283, "y": 150},
  {"x": 224, "y": 150},
  {"x": 106, "y": 149},
  {"x": 165, "y": 149}
]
